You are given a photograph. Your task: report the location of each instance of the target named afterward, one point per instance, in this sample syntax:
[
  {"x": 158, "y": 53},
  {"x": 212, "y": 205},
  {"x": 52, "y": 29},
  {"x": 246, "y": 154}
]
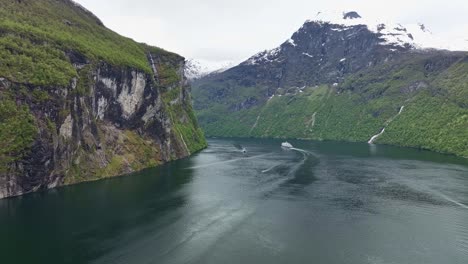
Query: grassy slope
[
  {"x": 435, "y": 114},
  {"x": 35, "y": 34},
  {"x": 436, "y": 119},
  {"x": 187, "y": 130},
  {"x": 14, "y": 119}
]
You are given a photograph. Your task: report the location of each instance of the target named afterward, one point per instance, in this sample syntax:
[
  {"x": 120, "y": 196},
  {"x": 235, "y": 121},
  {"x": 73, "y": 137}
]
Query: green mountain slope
[
  {"x": 432, "y": 88},
  {"x": 35, "y": 35}
]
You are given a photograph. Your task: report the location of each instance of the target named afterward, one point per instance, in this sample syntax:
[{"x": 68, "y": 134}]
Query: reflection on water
[{"x": 324, "y": 202}]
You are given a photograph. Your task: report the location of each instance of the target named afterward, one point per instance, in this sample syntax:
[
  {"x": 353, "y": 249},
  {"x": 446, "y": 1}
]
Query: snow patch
[
  {"x": 265, "y": 56},
  {"x": 196, "y": 69},
  {"x": 291, "y": 41}
]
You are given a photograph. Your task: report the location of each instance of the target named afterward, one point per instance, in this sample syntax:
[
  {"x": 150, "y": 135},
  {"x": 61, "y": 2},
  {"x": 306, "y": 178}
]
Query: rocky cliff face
[
  {"x": 110, "y": 119},
  {"x": 321, "y": 53},
  {"x": 119, "y": 121}
]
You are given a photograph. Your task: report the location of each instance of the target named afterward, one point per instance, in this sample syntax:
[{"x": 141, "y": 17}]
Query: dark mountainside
[
  {"x": 79, "y": 102},
  {"x": 336, "y": 82}
]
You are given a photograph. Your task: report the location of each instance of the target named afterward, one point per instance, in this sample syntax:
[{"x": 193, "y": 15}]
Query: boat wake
[
  {"x": 303, "y": 151},
  {"x": 453, "y": 201},
  {"x": 269, "y": 169},
  {"x": 227, "y": 161}
]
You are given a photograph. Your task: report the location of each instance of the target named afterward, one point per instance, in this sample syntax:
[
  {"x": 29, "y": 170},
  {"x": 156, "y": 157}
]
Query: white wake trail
[
  {"x": 267, "y": 170},
  {"x": 227, "y": 161},
  {"x": 303, "y": 151},
  {"x": 453, "y": 201}
]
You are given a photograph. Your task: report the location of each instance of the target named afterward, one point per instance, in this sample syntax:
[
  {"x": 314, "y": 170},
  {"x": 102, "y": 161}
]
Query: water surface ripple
[{"x": 321, "y": 202}]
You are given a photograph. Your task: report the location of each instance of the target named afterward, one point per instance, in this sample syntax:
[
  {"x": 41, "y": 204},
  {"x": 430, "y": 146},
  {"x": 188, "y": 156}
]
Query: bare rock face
[
  {"x": 351, "y": 15},
  {"x": 115, "y": 121}
]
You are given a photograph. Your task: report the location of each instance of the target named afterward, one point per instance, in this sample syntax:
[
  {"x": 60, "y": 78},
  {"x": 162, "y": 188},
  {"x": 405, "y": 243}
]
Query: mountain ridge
[{"x": 327, "y": 65}]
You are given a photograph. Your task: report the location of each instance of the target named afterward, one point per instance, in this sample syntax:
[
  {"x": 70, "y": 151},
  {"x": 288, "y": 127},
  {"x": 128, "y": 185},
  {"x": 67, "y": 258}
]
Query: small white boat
[
  {"x": 244, "y": 150},
  {"x": 286, "y": 145}
]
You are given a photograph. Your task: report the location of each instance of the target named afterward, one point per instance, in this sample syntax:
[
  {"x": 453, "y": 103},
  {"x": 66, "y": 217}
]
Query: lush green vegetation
[
  {"x": 435, "y": 115},
  {"x": 17, "y": 131},
  {"x": 134, "y": 153},
  {"x": 168, "y": 75},
  {"x": 185, "y": 123},
  {"x": 35, "y": 36}
]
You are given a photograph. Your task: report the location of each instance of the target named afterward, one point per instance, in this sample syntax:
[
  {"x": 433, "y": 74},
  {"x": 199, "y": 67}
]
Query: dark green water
[{"x": 325, "y": 203}]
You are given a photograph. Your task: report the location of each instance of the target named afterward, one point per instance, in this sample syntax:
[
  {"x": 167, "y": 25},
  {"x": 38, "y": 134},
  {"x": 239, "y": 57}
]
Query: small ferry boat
[{"x": 286, "y": 145}]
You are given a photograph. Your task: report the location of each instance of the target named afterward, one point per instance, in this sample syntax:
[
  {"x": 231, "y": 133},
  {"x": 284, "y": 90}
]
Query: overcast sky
[{"x": 226, "y": 30}]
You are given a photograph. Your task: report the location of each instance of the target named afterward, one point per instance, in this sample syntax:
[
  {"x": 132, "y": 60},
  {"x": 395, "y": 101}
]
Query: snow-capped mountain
[
  {"x": 342, "y": 77},
  {"x": 328, "y": 49},
  {"x": 393, "y": 35},
  {"x": 196, "y": 69},
  {"x": 417, "y": 34}
]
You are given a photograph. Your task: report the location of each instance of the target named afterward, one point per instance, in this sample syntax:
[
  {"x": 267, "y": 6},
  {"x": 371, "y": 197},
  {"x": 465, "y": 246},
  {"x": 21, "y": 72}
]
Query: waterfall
[
  {"x": 153, "y": 66},
  {"x": 254, "y": 125},
  {"x": 401, "y": 110},
  {"x": 373, "y": 138},
  {"x": 311, "y": 123},
  {"x": 371, "y": 141}
]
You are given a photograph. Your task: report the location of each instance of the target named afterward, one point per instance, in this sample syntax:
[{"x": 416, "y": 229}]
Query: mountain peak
[
  {"x": 348, "y": 18},
  {"x": 343, "y": 25},
  {"x": 415, "y": 35},
  {"x": 351, "y": 15}
]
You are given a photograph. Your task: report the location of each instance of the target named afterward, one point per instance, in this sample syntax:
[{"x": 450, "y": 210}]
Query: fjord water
[{"x": 324, "y": 202}]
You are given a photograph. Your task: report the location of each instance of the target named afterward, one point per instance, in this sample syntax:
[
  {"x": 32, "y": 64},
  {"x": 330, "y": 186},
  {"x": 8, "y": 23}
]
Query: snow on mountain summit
[
  {"x": 196, "y": 69},
  {"x": 393, "y": 35},
  {"x": 416, "y": 35}
]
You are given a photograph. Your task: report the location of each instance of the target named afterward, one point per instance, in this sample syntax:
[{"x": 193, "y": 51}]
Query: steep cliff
[
  {"x": 78, "y": 102},
  {"x": 344, "y": 79}
]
